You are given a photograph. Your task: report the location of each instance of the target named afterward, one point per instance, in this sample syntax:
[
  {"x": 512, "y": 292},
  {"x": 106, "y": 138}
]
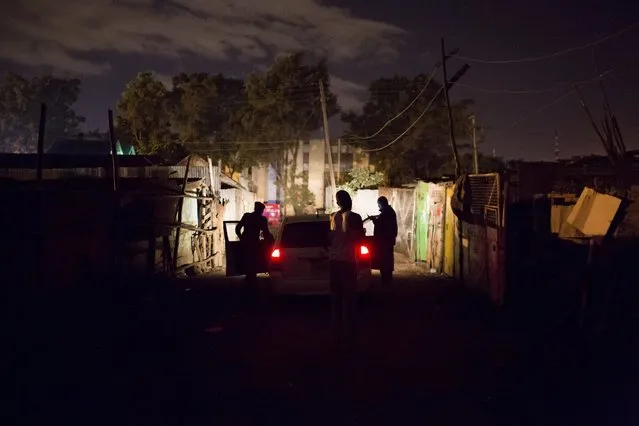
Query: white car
[{"x": 299, "y": 262}]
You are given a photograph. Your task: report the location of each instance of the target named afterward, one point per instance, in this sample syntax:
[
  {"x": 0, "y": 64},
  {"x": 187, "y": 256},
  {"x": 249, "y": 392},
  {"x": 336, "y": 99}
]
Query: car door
[
  {"x": 233, "y": 250},
  {"x": 235, "y": 255}
]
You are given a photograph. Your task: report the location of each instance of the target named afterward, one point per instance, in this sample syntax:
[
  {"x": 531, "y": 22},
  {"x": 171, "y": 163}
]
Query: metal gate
[
  {"x": 484, "y": 243},
  {"x": 485, "y": 195}
]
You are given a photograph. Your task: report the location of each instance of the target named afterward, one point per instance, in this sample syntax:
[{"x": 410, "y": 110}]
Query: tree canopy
[
  {"x": 424, "y": 150},
  {"x": 363, "y": 178},
  {"x": 284, "y": 107},
  {"x": 20, "y": 101},
  {"x": 143, "y": 115},
  {"x": 258, "y": 120}
]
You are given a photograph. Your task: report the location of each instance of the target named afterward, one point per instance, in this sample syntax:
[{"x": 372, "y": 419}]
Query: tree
[
  {"x": 363, "y": 178},
  {"x": 425, "y": 149},
  {"x": 20, "y": 101},
  {"x": 283, "y": 107},
  {"x": 298, "y": 195},
  {"x": 192, "y": 107},
  {"x": 207, "y": 115},
  {"x": 143, "y": 117}
]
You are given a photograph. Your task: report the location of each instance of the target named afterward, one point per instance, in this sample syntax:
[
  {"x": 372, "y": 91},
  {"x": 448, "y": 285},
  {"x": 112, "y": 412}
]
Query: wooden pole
[
  {"x": 339, "y": 159},
  {"x": 115, "y": 232},
  {"x": 114, "y": 154},
  {"x": 180, "y": 203},
  {"x": 451, "y": 128},
  {"x": 327, "y": 141},
  {"x": 475, "y": 153},
  {"x": 41, "y": 131},
  {"x": 211, "y": 177},
  {"x": 41, "y": 236}
]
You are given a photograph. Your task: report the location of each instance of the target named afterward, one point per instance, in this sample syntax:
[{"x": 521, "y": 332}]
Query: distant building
[{"x": 312, "y": 163}]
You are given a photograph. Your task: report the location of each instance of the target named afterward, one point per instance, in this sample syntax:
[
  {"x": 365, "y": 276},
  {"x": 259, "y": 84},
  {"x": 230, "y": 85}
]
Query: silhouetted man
[
  {"x": 248, "y": 231},
  {"x": 385, "y": 234},
  {"x": 347, "y": 231}
]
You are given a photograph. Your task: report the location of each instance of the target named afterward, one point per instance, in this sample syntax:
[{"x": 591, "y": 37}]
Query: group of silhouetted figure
[{"x": 345, "y": 237}]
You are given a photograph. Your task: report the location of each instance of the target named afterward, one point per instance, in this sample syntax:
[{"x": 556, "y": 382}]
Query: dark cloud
[{"x": 63, "y": 34}]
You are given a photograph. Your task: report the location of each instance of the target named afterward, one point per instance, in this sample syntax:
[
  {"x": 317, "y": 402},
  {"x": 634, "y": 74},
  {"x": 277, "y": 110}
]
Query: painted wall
[
  {"x": 422, "y": 211},
  {"x": 435, "y": 238},
  {"x": 450, "y": 224}
]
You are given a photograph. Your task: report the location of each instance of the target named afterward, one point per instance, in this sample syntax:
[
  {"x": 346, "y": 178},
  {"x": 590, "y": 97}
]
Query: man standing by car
[
  {"x": 346, "y": 232},
  {"x": 385, "y": 234},
  {"x": 248, "y": 231}
]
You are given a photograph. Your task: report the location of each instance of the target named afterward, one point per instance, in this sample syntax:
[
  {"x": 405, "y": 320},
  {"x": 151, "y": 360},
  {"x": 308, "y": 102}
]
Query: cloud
[
  {"x": 64, "y": 33},
  {"x": 349, "y": 94}
]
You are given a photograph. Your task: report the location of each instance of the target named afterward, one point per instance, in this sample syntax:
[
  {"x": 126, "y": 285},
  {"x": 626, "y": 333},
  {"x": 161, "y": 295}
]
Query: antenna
[{"x": 556, "y": 145}]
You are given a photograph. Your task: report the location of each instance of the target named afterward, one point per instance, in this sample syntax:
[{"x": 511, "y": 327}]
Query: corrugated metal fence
[
  {"x": 195, "y": 172},
  {"x": 481, "y": 253}
]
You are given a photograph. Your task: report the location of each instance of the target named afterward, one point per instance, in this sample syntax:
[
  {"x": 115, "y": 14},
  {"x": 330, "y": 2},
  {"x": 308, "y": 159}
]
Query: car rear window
[{"x": 305, "y": 234}]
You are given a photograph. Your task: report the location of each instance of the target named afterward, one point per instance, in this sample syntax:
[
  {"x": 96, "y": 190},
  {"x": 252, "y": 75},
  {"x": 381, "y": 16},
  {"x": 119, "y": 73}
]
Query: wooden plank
[
  {"x": 180, "y": 203},
  {"x": 114, "y": 153},
  {"x": 200, "y": 262}
]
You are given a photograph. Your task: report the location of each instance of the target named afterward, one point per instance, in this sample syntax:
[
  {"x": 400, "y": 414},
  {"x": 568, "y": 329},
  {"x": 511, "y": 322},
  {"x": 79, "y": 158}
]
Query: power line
[
  {"x": 409, "y": 127},
  {"x": 551, "y": 55},
  {"x": 604, "y": 75},
  {"x": 430, "y": 78},
  {"x": 507, "y": 91},
  {"x": 268, "y": 148},
  {"x": 556, "y": 100},
  {"x": 216, "y": 143},
  {"x": 609, "y": 73}
]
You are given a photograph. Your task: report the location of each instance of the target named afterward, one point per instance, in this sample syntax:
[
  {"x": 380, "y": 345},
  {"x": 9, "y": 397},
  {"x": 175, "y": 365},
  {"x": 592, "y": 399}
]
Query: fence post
[
  {"x": 115, "y": 233},
  {"x": 180, "y": 204}
]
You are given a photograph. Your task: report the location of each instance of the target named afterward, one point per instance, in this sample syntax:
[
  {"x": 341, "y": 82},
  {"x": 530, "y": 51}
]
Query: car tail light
[
  {"x": 276, "y": 255},
  {"x": 363, "y": 251}
]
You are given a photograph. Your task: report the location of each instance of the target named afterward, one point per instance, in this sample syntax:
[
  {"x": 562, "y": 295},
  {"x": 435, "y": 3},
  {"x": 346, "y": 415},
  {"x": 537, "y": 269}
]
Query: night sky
[{"x": 106, "y": 42}]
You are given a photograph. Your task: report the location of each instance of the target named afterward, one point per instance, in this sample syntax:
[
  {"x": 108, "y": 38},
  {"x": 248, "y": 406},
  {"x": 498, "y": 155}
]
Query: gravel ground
[{"x": 426, "y": 352}]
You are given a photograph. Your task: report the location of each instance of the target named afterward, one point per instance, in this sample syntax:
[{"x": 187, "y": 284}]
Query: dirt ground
[{"x": 195, "y": 353}]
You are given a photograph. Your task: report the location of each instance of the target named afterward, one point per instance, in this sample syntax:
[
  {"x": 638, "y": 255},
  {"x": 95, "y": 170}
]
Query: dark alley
[{"x": 427, "y": 352}]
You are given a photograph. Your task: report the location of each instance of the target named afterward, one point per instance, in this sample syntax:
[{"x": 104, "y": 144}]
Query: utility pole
[
  {"x": 475, "y": 155},
  {"x": 556, "y": 145},
  {"x": 339, "y": 159},
  {"x": 327, "y": 140},
  {"x": 453, "y": 143}
]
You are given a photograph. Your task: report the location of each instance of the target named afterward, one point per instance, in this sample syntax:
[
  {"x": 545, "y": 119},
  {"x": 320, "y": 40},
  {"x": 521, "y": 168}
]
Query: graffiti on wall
[{"x": 436, "y": 205}]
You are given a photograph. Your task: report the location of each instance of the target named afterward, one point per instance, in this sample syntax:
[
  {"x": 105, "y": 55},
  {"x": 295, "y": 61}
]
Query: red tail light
[
  {"x": 276, "y": 255},
  {"x": 363, "y": 251}
]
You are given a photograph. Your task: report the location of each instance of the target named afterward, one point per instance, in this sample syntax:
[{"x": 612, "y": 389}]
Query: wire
[
  {"x": 507, "y": 91},
  {"x": 409, "y": 127},
  {"x": 344, "y": 139},
  {"x": 267, "y": 148},
  {"x": 430, "y": 78},
  {"x": 543, "y": 108},
  {"x": 609, "y": 73},
  {"x": 551, "y": 55},
  {"x": 602, "y": 76}
]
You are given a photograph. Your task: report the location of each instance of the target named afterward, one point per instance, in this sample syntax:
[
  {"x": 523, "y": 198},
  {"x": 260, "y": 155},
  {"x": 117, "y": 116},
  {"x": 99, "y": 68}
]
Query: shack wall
[{"x": 403, "y": 201}]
